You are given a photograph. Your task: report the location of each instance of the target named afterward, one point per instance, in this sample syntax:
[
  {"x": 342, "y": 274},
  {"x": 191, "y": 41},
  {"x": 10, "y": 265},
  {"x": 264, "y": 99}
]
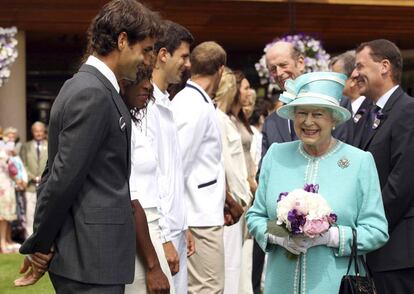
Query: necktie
[{"x": 38, "y": 150}]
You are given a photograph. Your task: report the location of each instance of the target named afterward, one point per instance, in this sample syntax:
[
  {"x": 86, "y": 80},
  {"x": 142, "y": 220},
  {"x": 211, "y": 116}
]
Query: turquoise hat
[{"x": 319, "y": 89}]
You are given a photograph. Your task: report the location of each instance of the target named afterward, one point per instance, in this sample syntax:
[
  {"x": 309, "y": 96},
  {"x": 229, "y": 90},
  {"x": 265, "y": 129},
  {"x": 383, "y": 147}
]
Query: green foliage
[{"x": 9, "y": 271}]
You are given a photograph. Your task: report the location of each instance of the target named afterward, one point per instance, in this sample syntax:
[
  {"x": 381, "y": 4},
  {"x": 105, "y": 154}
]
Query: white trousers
[
  {"x": 180, "y": 279},
  {"x": 233, "y": 242},
  {"x": 139, "y": 285}
]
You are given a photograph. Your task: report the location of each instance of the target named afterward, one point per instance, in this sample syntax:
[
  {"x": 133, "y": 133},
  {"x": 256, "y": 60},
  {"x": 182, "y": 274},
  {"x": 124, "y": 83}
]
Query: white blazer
[
  {"x": 201, "y": 148},
  {"x": 234, "y": 162}
]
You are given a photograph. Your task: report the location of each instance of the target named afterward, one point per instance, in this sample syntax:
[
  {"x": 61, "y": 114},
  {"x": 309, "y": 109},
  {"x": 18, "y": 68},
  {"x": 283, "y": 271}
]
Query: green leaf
[{"x": 277, "y": 230}]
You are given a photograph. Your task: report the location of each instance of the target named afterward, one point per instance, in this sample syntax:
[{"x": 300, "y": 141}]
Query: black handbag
[{"x": 357, "y": 284}]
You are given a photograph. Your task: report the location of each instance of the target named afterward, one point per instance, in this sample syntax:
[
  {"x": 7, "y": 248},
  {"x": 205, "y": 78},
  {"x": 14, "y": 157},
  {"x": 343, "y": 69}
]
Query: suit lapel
[
  {"x": 119, "y": 104},
  {"x": 385, "y": 111}
]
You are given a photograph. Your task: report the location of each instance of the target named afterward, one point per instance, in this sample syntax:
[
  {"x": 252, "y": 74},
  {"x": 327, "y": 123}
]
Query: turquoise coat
[{"x": 348, "y": 180}]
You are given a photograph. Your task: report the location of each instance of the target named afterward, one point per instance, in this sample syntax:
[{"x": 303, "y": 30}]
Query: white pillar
[{"x": 13, "y": 92}]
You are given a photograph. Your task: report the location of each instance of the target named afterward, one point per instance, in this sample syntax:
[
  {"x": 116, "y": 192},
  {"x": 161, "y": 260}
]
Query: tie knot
[{"x": 376, "y": 109}]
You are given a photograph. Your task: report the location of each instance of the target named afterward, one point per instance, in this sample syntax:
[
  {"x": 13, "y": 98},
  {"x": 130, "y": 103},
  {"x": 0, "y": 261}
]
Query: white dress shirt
[
  {"x": 104, "y": 69},
  {"x": 143, "y": 181},
  {"x": 163, "y": 130},
  {"x": 384, "y": 98},
  {"x": 200, "y": 141},
  {"x": 356, "y": 104}
]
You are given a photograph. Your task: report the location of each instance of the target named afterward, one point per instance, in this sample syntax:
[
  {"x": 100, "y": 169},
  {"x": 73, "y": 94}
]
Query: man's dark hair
[
  {"x": 384, "y": 49},
  {"x": 173, "y": 35},
  {"x": 348, "y": 61},
  {"x": 207, "y": 58},
  {"x": 118, "y": 16}
]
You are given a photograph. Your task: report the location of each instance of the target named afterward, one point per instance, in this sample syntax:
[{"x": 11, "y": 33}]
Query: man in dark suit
[
  {"x": 352, "y": 100},
  {"x": 84, "y": 212},
  {"x": 389, "y": 136},
  {"x": 284, "y": 61}
]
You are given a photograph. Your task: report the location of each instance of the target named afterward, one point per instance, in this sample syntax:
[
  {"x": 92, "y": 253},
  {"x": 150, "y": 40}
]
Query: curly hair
[
  {"x": 118, "y": 16},
  {"x": 144, "y": 73}
]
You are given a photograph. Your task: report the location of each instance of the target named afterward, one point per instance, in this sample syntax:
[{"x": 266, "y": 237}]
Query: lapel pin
[
  {"x": 122, "y": 123},
  {"x": 378, "y": 117},
  {"x": 359, "y": 114}
]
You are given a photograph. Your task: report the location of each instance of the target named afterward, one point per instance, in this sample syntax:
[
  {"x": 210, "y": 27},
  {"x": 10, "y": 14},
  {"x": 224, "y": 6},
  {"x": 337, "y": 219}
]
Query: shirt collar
[
  {"x": 160, "y": 96},
  {"x": 356, "y": 104},
  {"x": 384, "y": 98},
  {"x": 103, "y": 69},
  {"x": 190, "y": 82}
]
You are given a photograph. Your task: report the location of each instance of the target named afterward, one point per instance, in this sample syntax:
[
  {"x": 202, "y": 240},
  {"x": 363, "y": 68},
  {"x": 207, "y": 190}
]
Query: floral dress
[{"x": 7, "y": 193}]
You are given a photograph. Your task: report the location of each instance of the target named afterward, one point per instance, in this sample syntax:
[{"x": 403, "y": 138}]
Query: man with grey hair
[{"x": 34, "y": 157}]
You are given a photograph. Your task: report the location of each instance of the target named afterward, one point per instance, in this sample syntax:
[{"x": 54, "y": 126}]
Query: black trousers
[
  {"x": 63, "y": 285},
  {"x": 257, "y": 267},
  {"x": 395, "y": 282}
]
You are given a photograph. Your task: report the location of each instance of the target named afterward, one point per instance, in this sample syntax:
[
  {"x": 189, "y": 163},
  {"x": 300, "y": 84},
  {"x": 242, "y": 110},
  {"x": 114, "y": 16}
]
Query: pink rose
[{"x": 315, "y": 227}]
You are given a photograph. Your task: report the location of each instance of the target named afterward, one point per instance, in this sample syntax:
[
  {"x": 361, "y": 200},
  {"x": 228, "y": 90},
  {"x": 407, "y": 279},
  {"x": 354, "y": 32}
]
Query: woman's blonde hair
[{"x": 226, "y": 91}]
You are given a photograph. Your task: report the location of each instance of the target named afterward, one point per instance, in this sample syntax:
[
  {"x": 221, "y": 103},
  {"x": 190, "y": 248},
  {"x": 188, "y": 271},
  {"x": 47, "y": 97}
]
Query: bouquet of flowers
[
  {"x": 302, "y": 212},
  {"x": 8, "y": 52},
  {"x": 316, "y": 58}
]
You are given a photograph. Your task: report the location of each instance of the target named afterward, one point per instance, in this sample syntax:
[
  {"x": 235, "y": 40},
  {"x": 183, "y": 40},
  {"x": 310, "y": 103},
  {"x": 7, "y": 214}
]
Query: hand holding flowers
[{"x": 305, "y": 219}]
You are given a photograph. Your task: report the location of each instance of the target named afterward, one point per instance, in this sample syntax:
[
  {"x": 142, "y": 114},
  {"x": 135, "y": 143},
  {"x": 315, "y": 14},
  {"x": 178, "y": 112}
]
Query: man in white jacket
[
  {"x": 172, "y": 59},
  {"x": 201, "y": 148}
]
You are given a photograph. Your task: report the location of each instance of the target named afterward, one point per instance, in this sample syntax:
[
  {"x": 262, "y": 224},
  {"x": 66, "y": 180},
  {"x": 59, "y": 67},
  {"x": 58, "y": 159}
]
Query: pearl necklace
[{"x": 311, "y": 172}]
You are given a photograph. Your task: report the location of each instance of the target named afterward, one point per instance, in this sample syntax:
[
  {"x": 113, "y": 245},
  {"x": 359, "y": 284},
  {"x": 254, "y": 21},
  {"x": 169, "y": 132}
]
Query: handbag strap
[
  {"x": 366, "y": 268},
  {"x": 354, "y": 254}
]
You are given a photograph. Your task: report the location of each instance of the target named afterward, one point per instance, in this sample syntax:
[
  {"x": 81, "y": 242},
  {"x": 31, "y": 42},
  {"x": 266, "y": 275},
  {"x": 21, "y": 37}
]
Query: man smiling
[{"x": 389, "y": 136}]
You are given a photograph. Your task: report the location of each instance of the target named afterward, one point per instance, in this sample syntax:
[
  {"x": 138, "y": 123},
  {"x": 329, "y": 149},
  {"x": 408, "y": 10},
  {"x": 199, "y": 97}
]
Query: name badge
[{"x": 122, "y": 123}]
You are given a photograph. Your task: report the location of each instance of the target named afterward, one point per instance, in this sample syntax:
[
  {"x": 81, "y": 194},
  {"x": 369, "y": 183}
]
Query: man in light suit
[
  {"x": 284, "y": 61},
  {"x": 389, "y": 136},
  {"x": 84, "y": 213},
  {"x": 34, "y": 157},
  {"x": 200, "y": 140}
]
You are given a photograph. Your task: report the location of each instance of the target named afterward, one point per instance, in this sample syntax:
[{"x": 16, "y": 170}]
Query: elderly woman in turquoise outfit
[{"x": 347, "y": 179}]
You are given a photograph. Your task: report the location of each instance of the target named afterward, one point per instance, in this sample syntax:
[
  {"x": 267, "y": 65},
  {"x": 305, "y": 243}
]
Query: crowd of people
[
  {"x": 21, "y": 169},
  {"x": 164, "y": 172}
]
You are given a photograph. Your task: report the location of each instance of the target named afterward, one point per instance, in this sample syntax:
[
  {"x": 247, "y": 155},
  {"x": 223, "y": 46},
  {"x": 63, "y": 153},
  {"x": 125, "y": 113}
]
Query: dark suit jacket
[
  {"x": 275, "y": 130},
  {"x": 346, "y": 131},
  {"x": 392, "y": 146},
  {"x": 84, "y": 206}
]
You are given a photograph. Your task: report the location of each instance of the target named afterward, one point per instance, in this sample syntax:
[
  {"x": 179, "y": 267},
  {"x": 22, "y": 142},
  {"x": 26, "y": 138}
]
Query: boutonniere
[
  {"x": 359, "y": 114},
  {"x": 377, "y": 120}
]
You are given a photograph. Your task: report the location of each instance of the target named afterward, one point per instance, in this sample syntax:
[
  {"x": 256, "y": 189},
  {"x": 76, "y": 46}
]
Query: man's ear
[
  {"x": 221, "y": 70},
  {"x": 122, "y": 41},
  {"x": 300, "y": 63},
  {"x": 385, "y": 66},
  {"x": 163, "y": 55}
]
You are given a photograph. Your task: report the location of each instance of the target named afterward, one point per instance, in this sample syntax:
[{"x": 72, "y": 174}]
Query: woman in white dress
[{"x": 144, "y": 185}]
